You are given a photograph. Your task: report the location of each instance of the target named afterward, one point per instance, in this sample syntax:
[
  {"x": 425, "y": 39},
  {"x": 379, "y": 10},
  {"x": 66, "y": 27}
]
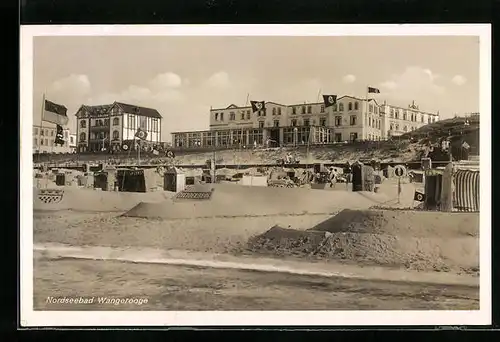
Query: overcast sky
[{"x": 183, "y": 76}]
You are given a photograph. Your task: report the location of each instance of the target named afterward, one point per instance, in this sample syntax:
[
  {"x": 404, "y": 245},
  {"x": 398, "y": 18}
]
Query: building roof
[
  {"x": 128, "y": 108},
  {"x": 142, "y": 111}
]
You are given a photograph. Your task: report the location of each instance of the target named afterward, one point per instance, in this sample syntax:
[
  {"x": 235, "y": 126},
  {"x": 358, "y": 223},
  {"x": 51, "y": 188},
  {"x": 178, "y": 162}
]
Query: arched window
[
  {"x": 341, "y": 107},
  {"x": 116, "y": 122},
  {"x": 356, "y": 106},
  {"x": 83, "y": 124},
  {"x": 349, "y": 106},
  {"x": 116, "y": 135},
  {"x": 82, "y": 136}
]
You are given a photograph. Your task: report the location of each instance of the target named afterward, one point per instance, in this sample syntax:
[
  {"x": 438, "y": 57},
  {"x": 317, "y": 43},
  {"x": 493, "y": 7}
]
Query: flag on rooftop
[
  {"x": 373, "y": 90},
  {"x": 54, "y": 113},
  {"x": 329, "y": 100},
  {"x": 258, "y": 105}
]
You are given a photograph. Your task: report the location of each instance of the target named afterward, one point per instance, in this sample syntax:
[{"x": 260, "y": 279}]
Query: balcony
[{"x": 101, "y": 128}]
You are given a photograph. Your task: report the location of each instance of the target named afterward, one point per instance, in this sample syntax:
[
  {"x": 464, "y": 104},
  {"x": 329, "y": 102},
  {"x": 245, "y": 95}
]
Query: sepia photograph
[{"x": 255, "y": 174}]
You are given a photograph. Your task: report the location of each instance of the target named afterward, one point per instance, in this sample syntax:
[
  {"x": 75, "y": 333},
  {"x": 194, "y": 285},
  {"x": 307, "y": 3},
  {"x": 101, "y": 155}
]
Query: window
[
  {"x": 303, "y": 109},
  {"x": 306, "y": 122},
  {"x": 353, "y": 120},
  {"x": 116, "y": 122},
  {"x": 309, "y": 109},
  {"x": 243, "y": 115},
  {"x": 261, "y": 124},
  {"x": 276, "y": 123},
  {"x": 322, "y": 122},
  {"x": 341, "y": 107},
  {"x": 35, "y": 141},
  {"x": 221, "y": 116},
  {"x": 392, "y": 127},
  {"x": 232, "y": 116},
  {"x": 216, "y": 116},
  {"x": 294, "y": 122},
  {"x": 338, "y": 121},
  {"x": 356, "y": 106},
  {"x": 349, "y": 106},
  {"x": 83, "y": 124},
  {"x": 392, "y": 113},
  {"x": 397, "y": 127},
  {"x": 294, "y": 110},
  {"x": 82, "y": 136},
  {"x": 274, "y": 111},
  {"x": 369, "y": 122},
  {"x": 405, "y": 116},
  {"x": 131, "y": 121},
  {"x": 51, "y": 133},
  {"x": 334, "y": 107},
  {"x": 248, "y": 115},
  {"x": 41, "y": 142},
  {"x": 421, "y": 118},
  {"x": 396, "y": 114},
  {"x": 106, "y": 122},
  {"x": 322, "y": 108},
  {"x": 36, "y": 131},
  {"x": 116, "y": 135},
  {"x": 279, "y": 110}
]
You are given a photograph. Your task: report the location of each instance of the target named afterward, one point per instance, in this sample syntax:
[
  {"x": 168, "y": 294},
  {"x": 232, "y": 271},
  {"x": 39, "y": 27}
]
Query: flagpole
[{"x": 366, "y": 109}]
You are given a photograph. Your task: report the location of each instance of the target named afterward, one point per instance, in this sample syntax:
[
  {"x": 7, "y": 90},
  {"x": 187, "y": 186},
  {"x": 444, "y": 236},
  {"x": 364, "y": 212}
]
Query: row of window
[
  {"x": 277, "y": 111},
  {"x": 414, "y": 117},
  {"x": 46, "y": 142},
  {"x": 395, "y": 127},
  {"x": 131, "y": 123},
  {"x": 45, "y": 132}
]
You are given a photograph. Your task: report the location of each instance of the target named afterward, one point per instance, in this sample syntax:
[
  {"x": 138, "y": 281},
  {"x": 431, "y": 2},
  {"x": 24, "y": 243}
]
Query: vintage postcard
[{"x": 255, "y": 175}]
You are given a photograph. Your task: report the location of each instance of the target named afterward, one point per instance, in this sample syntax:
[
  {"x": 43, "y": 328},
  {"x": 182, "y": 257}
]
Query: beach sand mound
[
  {"x": 413, "y": 240},
  {"x": 231, "y": 200}
]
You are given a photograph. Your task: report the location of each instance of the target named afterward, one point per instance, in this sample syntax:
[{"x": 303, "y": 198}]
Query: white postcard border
[{"x": 29, "y": 317}]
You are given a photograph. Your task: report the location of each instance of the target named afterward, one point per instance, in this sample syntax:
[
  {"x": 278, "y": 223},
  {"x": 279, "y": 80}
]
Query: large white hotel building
[{"x": 350, "y": 119}]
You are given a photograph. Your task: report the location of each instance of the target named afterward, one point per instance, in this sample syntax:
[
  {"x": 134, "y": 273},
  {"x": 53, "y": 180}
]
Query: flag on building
[
  {"x": 419, "y": 196},
  {"x": 258, "y": 105},
  {"x": 59, "y": 140},
  {"x": 54, "y": 113},
  {"x": 465, "y": 145},
  {"x": 329, "y": 100},
  {"x": 373, "y": 90},
  {"x": 141, "y": 134}
]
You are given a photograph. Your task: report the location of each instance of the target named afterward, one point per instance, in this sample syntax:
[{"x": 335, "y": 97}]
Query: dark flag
[
  {"x": 258, "y": 105},
  {"x": 54, "y": 113},
  {"x": 419, "y": 196},
  {"x": 373, "y": 90},
  {"x": 59, "y": 140},
  {"x": 329, "y": 100},
  {"x": 140, "y": 134}
]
